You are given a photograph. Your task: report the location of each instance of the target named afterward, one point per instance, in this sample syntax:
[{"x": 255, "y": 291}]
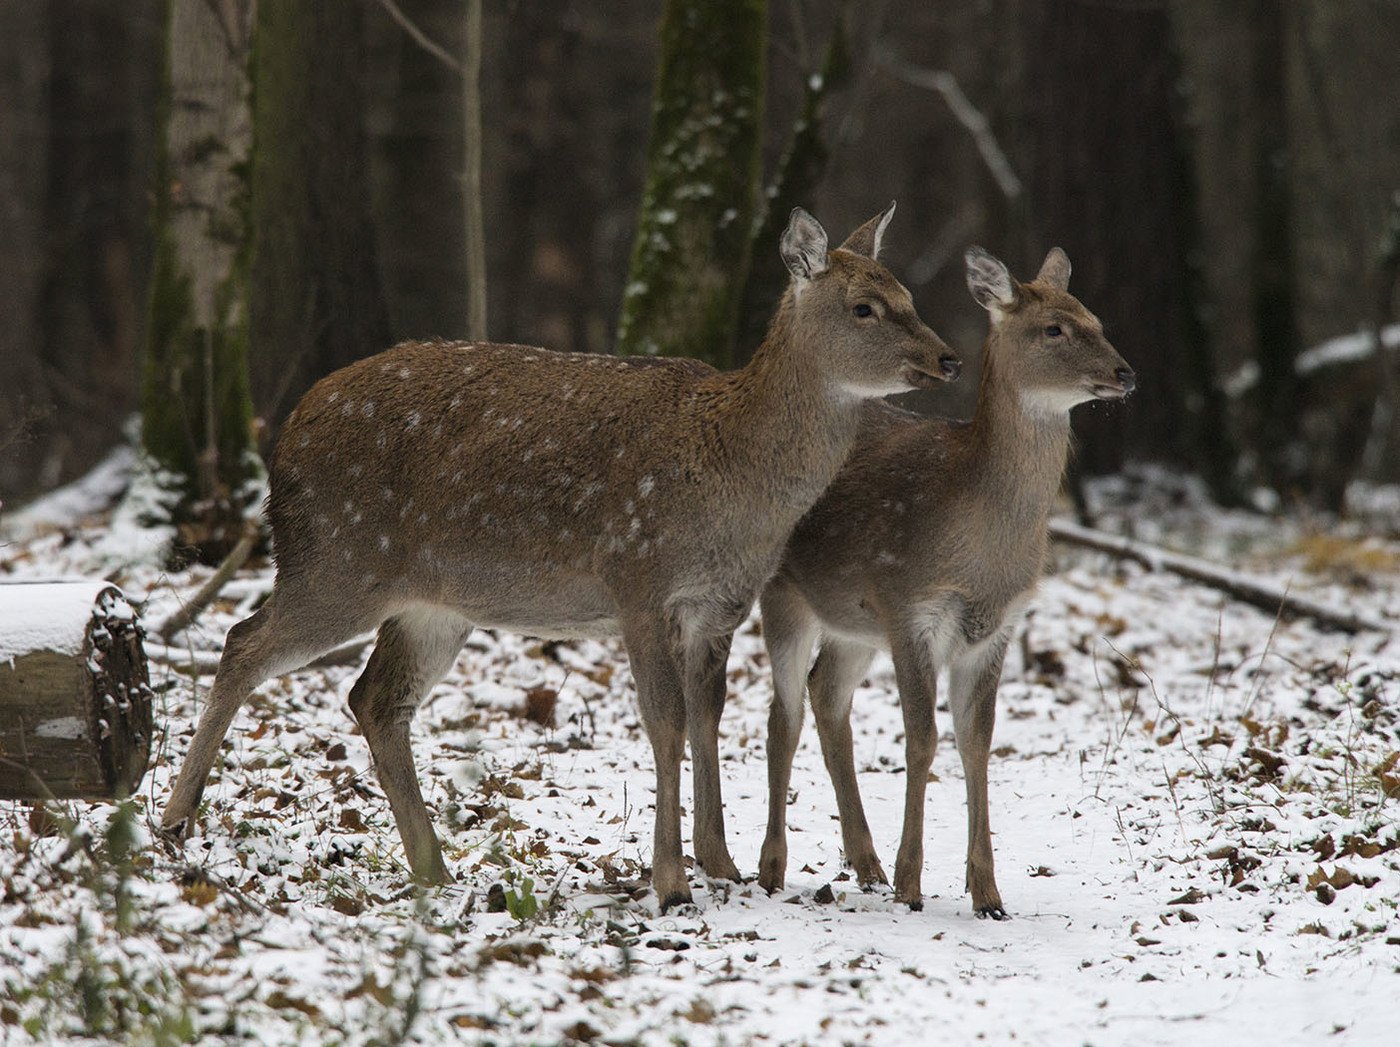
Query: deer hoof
[
  {"x": 992, "y": 911},
  {"x": 870, "y": 874}
]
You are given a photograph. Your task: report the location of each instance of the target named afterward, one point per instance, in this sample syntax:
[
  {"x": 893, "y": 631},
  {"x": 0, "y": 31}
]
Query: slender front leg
[
  {"x": 705, "y": 693},
  {"x": 973, "y": 697},
  {"x": 789, "y": 630},
  {"x": 661, "y": 701},
  {"x": 917, "y": 678},
  {"x": 839, "y": 670}
]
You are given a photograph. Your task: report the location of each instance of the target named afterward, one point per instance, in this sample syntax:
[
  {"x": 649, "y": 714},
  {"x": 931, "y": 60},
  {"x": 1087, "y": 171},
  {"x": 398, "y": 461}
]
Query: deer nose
[
  {"x": 950, "y": 366},
  {"x": 1126, "y": 376}
]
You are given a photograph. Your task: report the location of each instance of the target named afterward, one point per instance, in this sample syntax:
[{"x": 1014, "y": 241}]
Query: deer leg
[
  {"x": 661, "y": 701},
  {"x": 705, "y": 692},
  {"x": 284, "y": 634},
  {"x": 789, "y": 630},
  {"x": 973, "y": 697},
  {"x": 839, "y": 670},
  {"x": 917, "y": 678},
  {"x": 413, "y": 652}
]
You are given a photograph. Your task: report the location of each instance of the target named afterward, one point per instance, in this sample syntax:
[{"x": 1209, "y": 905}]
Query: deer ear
[
  {"x": 989, "y": 281},
  {"x": 866, "y": 240},
  {"x": 804, "y": 245},
  {"x": 1055, "y": 270}
]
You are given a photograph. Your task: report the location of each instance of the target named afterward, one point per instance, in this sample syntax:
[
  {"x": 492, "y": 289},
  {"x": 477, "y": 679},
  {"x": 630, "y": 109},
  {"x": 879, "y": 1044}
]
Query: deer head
[
  {"x": 869, "y": 339},
  {"x": 1044, "y": 342}
]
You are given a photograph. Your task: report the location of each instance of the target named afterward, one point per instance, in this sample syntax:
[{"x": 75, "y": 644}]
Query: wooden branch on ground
[
  {"x": 1264, "y": 595},
  {"x": 196, "y": 604}
]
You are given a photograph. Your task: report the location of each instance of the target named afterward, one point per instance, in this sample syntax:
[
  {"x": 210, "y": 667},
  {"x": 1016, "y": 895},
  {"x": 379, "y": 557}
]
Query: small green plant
[{"x": 521, "y": 902}]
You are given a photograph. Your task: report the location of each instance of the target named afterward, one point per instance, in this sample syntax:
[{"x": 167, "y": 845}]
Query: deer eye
[
  {"x": 1053, "y": 331},
  {"x": 862, "y": 309}
]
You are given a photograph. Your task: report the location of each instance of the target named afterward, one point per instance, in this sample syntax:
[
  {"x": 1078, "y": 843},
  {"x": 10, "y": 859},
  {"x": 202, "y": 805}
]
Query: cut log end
[{"x": 75, "y": 696}]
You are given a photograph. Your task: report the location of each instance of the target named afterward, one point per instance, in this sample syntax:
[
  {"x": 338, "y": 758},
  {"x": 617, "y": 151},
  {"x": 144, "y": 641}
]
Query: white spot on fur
[
  {"x": 405, "y": 372},
  {"x": 335, "y": 395},
  {"x": 384, "y": 541},
  {"x": 646, "y": 485},
  {"x": 368, "y": 409},
  {"x": 413, "y": 419}
]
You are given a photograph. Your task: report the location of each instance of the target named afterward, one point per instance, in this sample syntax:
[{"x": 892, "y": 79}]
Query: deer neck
[
  {"x": 780, "y": 418},
  {"x": 1017, "y": 448}
]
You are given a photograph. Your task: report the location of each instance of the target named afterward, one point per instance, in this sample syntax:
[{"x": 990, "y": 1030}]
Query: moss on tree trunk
[
  {"x": 196, "y": 411},
  {"x": 799, "y": 171},
  {"x": 703, "y": 161}
]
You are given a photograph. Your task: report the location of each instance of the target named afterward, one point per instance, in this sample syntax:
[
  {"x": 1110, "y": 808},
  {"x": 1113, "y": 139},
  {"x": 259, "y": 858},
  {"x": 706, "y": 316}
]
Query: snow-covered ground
[{"x": 1195, "y": 814}]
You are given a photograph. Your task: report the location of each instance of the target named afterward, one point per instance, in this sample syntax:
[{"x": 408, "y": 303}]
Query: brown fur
[
  {"x": 928, "y": 544},
  {"x": 442, "y": 486}
]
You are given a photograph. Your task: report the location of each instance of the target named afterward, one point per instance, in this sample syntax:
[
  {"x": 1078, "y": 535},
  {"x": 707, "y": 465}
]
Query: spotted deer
[
  {"x": 928, "y": 545},
  {"x": 439, "y": 487}
]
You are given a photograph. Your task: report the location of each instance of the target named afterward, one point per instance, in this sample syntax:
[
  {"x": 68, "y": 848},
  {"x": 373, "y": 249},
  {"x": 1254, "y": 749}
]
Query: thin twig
[
  {"x": 199, "y": 602},
  {"x": 421, "y": 38},
  {"x": 967, "y": 114}
]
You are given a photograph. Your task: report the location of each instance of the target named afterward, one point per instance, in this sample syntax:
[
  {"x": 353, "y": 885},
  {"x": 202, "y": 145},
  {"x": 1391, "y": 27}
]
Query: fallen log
[
  {"x": 75, "y": 699},
  {"x": 1254, "y": 591}
]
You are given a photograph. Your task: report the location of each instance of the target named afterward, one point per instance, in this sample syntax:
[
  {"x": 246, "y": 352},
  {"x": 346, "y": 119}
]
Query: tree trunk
[
  {"x": 196, "y": 411},
  {"x": 24, "y": 90},
  {"x": 77, "y": 126},
  {"x": 471, "y": 175},
  {"x": 1100, "y": 174},
  {"x": 799, "y": 171},
  {"x": 316, "y": 300},
  {"x": 703, "y": 160},
  {"x": 414, "y": 125},
  {"x": 1272, "y": 289},
  {"x": 75, "y": 703}
]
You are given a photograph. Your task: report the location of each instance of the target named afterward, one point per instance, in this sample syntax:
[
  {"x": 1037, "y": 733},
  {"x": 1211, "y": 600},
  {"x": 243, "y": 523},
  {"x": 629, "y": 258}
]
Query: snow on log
[
  {"x": 75, "y": 700},
  {"x": 1257, "y": 592}
]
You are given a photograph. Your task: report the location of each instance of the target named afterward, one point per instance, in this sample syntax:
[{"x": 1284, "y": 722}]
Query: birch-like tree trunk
[{"x": 196, "y": 411}]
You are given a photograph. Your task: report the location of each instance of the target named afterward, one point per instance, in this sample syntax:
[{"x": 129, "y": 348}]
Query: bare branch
[
  {"x": 195, "y": 606},
  {"x": 421, "y": 38},
  {"x": 967, "y": 114}
]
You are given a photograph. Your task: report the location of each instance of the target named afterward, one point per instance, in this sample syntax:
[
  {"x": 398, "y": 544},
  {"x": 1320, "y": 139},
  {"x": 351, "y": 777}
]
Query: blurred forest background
[{"x": 205, "y": 205}]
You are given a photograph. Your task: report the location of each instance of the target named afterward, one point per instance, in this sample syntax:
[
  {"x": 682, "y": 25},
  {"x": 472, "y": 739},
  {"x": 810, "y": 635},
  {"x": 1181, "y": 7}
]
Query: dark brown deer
[
  {"x": 929, "y": 544},
  {"x": 439, "y": 487}
]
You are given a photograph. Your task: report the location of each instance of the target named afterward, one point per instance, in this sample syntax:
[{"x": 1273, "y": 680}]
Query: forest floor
[{"x": 1195, "y": 813}]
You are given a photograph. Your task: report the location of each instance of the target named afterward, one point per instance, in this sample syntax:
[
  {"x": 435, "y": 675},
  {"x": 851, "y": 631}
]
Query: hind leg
[
  {"x": 414, "y": 651},
  {"x": 284, "y": 634}
]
